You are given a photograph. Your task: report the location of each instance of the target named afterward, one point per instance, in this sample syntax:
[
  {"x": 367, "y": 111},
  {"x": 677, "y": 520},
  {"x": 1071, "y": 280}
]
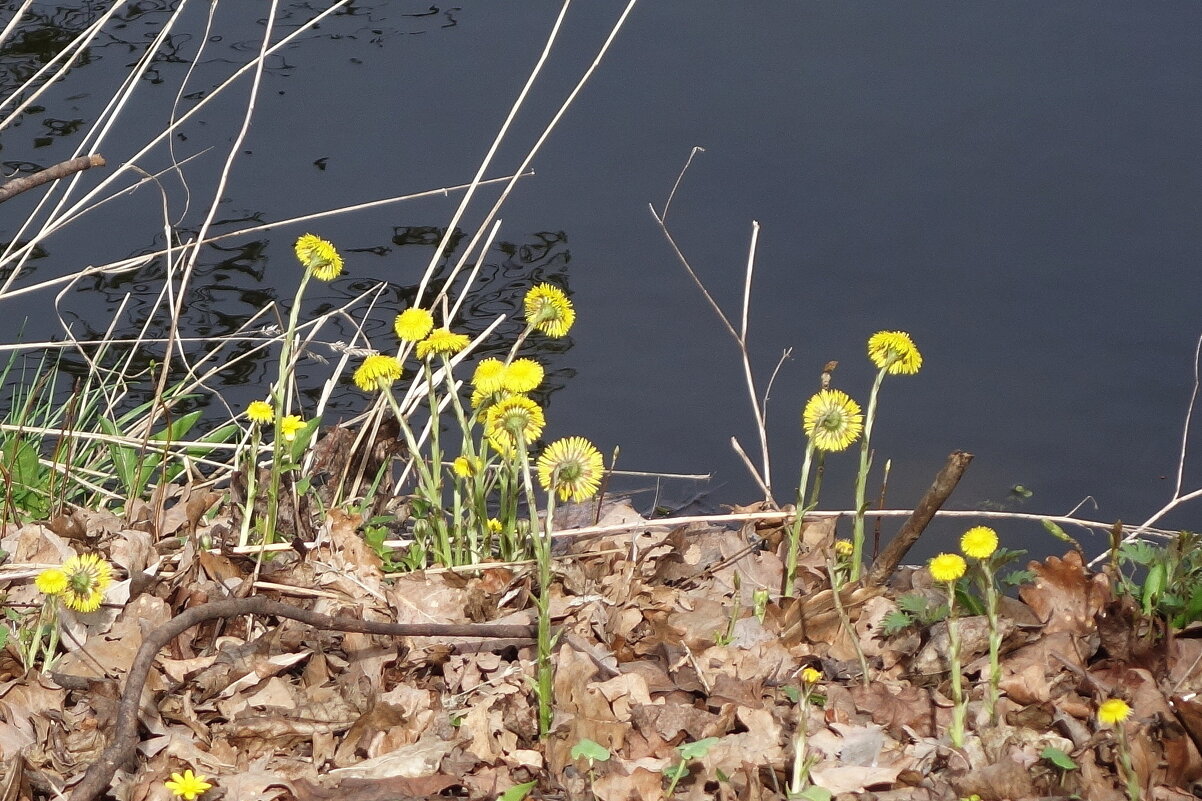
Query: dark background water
[{"x": 1016, "y": 185}]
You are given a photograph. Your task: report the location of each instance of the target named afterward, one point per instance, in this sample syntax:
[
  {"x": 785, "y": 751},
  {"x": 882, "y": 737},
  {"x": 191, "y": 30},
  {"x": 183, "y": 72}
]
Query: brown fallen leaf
[
  {"x": 1065, "y": 595},
  {"x": 898, "y": 708}
]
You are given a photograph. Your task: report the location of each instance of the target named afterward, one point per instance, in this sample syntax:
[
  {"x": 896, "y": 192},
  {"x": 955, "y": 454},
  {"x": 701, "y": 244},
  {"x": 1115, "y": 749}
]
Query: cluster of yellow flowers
[
  {"x": 79, "y": 582},
  {"x": 571, "y": 467},
  {"x": 831, "y": 419},
  {"x": 978, "y": 543}
]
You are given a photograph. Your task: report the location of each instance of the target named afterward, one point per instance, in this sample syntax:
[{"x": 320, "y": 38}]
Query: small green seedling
[
  {"x": 590, "y": 751},
  {"x": 688, "y": 752},
  {"x": 760, "y": 598},
  {"x": 1060, "y": 760},
  {"x": 913, "y": 609},
  {"x": 517, "y": 792}
]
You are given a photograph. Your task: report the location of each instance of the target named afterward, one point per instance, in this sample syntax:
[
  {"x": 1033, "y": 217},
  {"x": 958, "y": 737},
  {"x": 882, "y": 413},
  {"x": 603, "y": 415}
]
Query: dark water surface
[{"x": 1017, "y": 185}]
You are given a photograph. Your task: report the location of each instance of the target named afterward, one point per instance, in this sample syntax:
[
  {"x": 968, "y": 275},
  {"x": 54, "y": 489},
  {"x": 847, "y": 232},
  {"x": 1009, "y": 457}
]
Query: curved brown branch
[
  {"x": 18, "y": 185},
  {"x": 934, "y": 498},
  {"x": 125, "y": 737}
]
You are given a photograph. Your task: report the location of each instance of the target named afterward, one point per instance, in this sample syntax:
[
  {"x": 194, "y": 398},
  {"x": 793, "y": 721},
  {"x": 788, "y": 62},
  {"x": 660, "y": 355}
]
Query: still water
[{"x": 1016, "y": 185}]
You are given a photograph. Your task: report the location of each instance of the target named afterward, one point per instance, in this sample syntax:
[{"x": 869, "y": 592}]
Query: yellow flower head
[
  {"x": 87, "y": 578},
  {"x": 260, "y": 412},
  {"x": 377, "y": 372},
  {"x": 413, "y": 325},
  {"x": 571, "y": 467},
  {"x": 318, "y": 255},
  {"x": 1112, "y": 711},
  {"x": 482, "y": 399},
  {"x": 979, "y": 542},
  {"x": 510, "y": 418},
  {"x": 522, "y": 375},
  {"x": 441, "y": 341},
  {"x": 810, "y": 676},
  {"x": 894, "y": 352},
  {"x": 844, "y": 548},
  {"x": 549, "y": 310},
  {"x": 832, "y": 420},
  {"x": 289, "y": 425},
  {"x": 465, "y": 467},
  {"x": 51, "y": 582},
  {"x": 947, "y": 567},
  {"x": 488, "y": 375},
  {"x": 187, "y": 785},
  {"x": 494, "y": 525}
]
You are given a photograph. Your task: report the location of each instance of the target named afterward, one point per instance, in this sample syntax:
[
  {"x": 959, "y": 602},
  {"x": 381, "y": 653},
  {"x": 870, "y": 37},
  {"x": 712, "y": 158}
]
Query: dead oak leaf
[
  {"x": 1065, "y": 595},
  {"x": 909, "y": 706}
]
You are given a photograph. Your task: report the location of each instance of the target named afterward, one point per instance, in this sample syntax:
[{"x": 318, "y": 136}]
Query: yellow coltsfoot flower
[
  {"x": 482, "y": 399},
  {"x": 979, "y": 542},
  {"x": 187, "y": 785},
  {"x": 377, "y": 372},
  {"x": 810, "y": 676},
  {"x": 441, "y": 342},
  {"x": 832, "y": 420},
  {"x": 319, "y": 256},
  {"x": 511, "y": 418},
  {"x": 465, "y": 467},
  {"x": 572, "y": 468},
  {"x": 488, "y": 376},
  {"x": 522, "y": 375},
  {"x": 290, "y": 425},
  {"x": 1112, "y": 711},
  {"x": 51, "y": 581},
  {"x": 260, "y": 412},
  {"x": 87, "y": 578},
  {"x": 414, "y": 325},
  {"x": 947, "y": 567},
  {"x": 549, "y": 310},
  {"x": 894, "y": 352}
]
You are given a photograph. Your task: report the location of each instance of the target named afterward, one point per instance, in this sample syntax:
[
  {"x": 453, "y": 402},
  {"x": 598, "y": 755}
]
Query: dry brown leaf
[
  {"x": 761, "y": 742},
  {"x": 1065, "y": 595},
  {"x": 419, "y": 759},
  {"x": 631, "y": 780},
  {"x": 897, "y": 708},
  {"x": 1004, "y": 778},
  {"x": 847, "y": 779}
]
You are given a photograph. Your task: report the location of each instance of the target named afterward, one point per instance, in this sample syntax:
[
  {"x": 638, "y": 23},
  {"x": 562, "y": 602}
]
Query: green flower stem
[
  {"x": 959, "y": 707},
  {"x": 252, "y": 475},
  {"x": 279, "y": 396},
  {"x": 1130, "y": 778},
  {"x": 47, "y": 617},
  {"x": 798, "y": 520},
  {"x": 507, "y": 509},
  {"x": 857, "y": 537},
  {"x": 989, "y": 590},
  {"x": 819, "y": 473},
  {"x": 801, "y": 756},
  {"x": 425, "y": 480},
  {"x": 434, "y": 488},
  {"x": 542, "y": 601},
  {"x": 477, "y": 503},
  {"x": 845, "y": 621}
]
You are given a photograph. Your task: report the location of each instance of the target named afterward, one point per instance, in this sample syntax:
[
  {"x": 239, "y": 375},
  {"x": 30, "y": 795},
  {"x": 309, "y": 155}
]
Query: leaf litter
[{"x": 661, "y": 644}]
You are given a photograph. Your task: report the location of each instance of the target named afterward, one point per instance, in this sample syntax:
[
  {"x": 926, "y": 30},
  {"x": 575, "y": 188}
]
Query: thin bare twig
[{"x": 764, "y": 476}]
